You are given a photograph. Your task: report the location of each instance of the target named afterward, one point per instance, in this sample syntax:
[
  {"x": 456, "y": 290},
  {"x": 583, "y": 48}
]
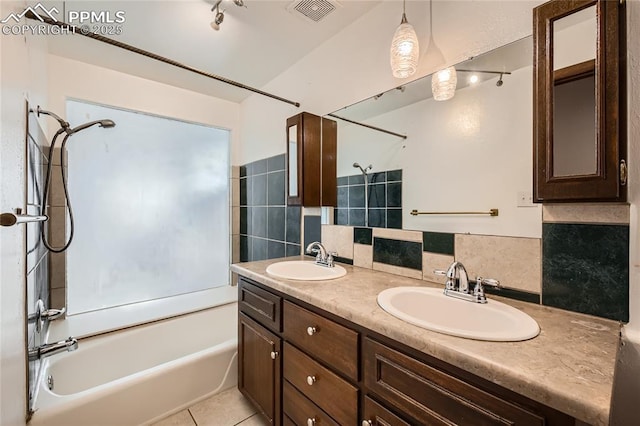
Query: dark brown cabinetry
[
  {"x": 333, "y": 372},
  {"x": 579, "y": 101},
  {"x": 311, "y": 161}
]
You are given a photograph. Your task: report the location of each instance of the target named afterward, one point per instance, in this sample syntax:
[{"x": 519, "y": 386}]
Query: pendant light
[
  {"x": 443, "y": 84},
  {"x": 404, "y": 48}
]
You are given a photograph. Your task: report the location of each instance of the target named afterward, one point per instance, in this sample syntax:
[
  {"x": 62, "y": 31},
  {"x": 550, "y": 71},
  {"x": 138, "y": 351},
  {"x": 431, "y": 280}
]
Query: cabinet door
[{"x": 259, "y": 367}]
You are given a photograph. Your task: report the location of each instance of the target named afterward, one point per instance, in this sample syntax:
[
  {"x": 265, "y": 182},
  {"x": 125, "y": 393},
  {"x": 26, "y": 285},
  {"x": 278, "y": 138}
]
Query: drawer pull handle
[
  {"x": 367, "y": 423},
  {"x": 311, "y": 421},
  {"x": 311, "y": 331},
  {"x": 311, "y": 380},
  {"x": 274, "y": 355}
]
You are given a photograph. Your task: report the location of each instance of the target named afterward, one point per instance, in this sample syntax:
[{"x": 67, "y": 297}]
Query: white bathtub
[{"x": 142, "y": 374}]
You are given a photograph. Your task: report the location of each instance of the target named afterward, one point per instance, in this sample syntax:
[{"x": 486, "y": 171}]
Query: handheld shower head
[
  {"x": 358, "y": 166},
  {"x": 102, "y": 123}
]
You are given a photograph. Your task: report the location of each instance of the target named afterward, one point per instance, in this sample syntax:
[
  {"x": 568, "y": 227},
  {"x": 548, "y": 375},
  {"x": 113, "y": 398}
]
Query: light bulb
[{"x": 473, "y": 79}]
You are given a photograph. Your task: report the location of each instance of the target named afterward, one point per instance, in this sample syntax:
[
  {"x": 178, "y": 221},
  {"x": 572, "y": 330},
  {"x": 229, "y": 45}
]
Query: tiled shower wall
[
  {"x": 580, "y": 264},
  {"x": 268, "y": 228},
  {"x": 384, "y": 193}
]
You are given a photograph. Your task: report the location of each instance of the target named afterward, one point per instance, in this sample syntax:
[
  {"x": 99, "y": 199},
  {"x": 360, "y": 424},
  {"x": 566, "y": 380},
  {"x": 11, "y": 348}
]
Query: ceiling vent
[{"x": 312, "y": 10}]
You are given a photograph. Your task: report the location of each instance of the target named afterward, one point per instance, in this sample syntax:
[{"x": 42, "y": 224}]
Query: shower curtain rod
[
  {"x": 368, "y": 126},
  {"x": 75, "y": 30}
]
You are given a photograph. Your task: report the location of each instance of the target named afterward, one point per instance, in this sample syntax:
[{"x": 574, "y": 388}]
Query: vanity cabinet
[
  {"x": 334, "y": 372},
  {"x": 260, "y": 349},
  {"x": 311, "y": 161}
]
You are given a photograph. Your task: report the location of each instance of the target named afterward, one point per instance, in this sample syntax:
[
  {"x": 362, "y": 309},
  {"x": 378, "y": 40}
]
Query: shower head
[
  {"x": 63, "y": 124},
  {"x": 102, "y": 123},
  {"x": 358, "y": 166}
]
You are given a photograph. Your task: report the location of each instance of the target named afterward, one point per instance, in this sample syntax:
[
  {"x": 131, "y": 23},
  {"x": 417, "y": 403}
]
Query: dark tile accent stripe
[
  {"x": 585, "y": 268},
  {"x": 407, "y": 254},
  {"x": 438, "y": 242},
  {"x": 363, "y": 236},
  {"x": 523, "y": 296},
  {"x": 343, "y": 260}
]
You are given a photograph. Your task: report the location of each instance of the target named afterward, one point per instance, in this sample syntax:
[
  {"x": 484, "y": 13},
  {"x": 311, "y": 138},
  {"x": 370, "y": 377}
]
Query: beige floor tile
[
  {"x": 183, "y": 418},
  {"x": 224, "y": 409},
  {"x": 255, "y": 420}
]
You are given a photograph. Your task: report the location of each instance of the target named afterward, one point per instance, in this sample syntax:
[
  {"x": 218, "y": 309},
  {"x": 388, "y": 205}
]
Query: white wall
[
  {"x": 23, "y": 68},
  {"x": 73, "y": 79}
]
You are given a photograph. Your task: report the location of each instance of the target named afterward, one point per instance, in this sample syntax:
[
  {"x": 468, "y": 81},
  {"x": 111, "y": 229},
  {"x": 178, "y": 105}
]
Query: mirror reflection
[
  {"x": 470, "y": 153},
  {"x": 293, "y": 161},
  {"x": 574, "y": 94}
]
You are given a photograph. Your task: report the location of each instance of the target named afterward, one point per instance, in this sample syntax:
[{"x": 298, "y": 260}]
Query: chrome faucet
[
  {"x": 457, "y": 284},
  {"x": 49, "y": 349},
  {"x": 322, "y": 257}
]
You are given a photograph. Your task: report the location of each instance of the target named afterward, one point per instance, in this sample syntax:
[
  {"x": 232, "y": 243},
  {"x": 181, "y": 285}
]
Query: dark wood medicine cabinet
[
  {"x": 579, "y": 101},
  {"x": 311, "y": 161}
]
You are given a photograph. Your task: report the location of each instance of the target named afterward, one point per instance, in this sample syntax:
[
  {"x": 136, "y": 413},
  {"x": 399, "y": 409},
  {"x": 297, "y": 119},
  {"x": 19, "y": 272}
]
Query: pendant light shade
[
  {"x": 404, "y": 50},
  {"x": 443, "y": 84}
]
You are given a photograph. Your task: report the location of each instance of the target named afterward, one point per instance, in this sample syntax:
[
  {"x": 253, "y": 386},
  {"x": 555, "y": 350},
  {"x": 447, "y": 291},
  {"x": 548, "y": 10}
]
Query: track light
[{"x": 219, "y": 14}]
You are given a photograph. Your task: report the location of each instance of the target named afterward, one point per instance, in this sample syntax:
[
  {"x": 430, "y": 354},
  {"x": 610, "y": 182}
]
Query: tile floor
[{"x": 228, "y": 408}]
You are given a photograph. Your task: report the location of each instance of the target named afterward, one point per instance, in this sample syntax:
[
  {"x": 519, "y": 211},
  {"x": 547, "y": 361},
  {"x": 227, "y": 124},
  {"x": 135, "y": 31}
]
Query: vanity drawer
[
  {"x": 301, "y": 411},
  {"x": 376, "y": 415},
  {"x": 261, "y": 305},
  {"x": 432, "y": 396},
  {"x": 329, "y": 342},
  {"x": 334, "y": 395}
]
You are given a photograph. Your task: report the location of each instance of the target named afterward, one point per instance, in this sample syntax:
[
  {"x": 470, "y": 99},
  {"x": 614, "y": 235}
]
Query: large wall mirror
[
  {"x": 579, "y": 140},
  {"x": 471, "y": 153}
]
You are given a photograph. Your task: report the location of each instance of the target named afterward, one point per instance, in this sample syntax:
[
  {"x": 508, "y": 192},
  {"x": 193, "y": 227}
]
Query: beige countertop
[{"x": 569, "y": 366}]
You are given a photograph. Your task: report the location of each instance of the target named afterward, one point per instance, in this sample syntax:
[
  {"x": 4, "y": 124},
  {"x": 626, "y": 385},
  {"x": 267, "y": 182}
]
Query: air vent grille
[{"x": 314, "y": 10}]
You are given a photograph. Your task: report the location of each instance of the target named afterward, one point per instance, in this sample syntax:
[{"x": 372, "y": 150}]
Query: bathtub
[{"x": 139, "y": 375}]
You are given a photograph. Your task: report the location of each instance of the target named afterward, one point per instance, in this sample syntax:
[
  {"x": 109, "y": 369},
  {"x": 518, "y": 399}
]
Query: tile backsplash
[{"x": 581, "y": 263}]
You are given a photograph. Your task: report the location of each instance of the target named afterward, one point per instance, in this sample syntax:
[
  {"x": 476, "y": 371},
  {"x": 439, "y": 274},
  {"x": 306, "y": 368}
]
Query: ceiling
[{"x": 253, "y": 46}]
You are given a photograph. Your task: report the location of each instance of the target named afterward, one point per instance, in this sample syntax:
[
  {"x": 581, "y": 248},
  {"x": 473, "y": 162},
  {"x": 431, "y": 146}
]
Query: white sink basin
[
  {"x": 429, "y": 308},
  {"x": 305, "y": 270}
]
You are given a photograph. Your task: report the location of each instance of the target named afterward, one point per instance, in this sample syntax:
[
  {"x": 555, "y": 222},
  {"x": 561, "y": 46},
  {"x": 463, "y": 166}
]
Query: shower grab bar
[
  {"x": 492, "y": 212},
  {"x": 10, "y": 219}
]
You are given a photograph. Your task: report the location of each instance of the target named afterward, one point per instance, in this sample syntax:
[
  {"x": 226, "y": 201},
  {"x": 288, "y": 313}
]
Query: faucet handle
[
  {"x": 490, "y": 282},
  {"x": 440, "y": 272}
]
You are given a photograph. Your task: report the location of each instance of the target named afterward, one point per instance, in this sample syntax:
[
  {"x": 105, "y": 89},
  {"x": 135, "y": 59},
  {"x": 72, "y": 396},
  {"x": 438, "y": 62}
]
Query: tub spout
[{"x": 49, "y": 349}]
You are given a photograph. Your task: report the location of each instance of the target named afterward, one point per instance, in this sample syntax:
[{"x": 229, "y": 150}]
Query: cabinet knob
[
  {"x": 311, "y": 421},
  {"x": 367, "y": 423},
  {"x": 311, "y": 331},
  {"x": 274, "y": 355},
  {"x": 311, "y": 380}
]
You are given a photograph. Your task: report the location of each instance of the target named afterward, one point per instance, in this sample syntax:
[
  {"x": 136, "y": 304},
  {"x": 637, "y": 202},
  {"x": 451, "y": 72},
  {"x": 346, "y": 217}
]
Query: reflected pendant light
[
  {"x": 404, "y": 49},
  {"x": 443, "y": 84}
]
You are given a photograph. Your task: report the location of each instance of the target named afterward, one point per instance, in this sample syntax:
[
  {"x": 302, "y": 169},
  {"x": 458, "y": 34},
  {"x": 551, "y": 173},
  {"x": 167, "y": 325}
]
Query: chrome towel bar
[{"x": 492, "y": 212}]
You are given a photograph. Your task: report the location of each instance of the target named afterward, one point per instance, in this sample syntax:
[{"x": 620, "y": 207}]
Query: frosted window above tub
[{"x": 151, "y": 207}]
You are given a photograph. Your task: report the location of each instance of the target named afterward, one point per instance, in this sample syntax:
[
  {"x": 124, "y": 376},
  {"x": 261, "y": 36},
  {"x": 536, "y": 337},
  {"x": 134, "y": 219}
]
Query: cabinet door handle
[
  {"x": 367, "y": 423},
  {"x": 311, "y": 421},
  {"x": 311, "y": 380},
  {"x": 274, "y": 354},
  {"x": 311, "y": 331}
]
